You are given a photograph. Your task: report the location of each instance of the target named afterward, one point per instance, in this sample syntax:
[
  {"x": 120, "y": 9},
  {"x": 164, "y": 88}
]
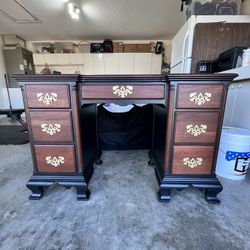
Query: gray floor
[{"x": 122, "y": 213}]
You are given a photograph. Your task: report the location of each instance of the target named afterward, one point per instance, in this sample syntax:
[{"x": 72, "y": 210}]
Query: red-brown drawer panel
[
  {"x": 125, "y": 91},
  {"x": 55, "y": 159},
  {"x": 199, "y": 96},
  {"x": 192, "y": 159},
  {"x": 51, "y": 126},
  {"x": 196, "y": 127},
  {"x": 47, "y": 96}
]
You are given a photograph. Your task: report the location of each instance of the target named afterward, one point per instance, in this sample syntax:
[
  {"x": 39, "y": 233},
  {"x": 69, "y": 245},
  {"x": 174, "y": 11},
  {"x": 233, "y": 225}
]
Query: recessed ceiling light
[{"x": 73, "y": 9}]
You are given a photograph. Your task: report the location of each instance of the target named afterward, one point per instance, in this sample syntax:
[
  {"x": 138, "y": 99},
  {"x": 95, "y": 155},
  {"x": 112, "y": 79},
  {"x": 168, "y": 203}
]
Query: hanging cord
[
  {"x": 7, "y": 88},
  {"x": 187, "y": 2},
  {"x": 182, "y": 4}
]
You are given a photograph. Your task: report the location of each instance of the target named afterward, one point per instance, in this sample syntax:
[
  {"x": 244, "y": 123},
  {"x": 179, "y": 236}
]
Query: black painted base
[
  {"x": 37, "y": 183},
  {"x": 209, "y": 184}
]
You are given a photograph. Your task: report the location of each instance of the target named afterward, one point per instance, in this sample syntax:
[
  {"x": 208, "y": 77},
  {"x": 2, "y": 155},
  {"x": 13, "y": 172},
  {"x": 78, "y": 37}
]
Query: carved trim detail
[
  {"x": 50, "y": 128},
  {"x": 200, "y": 98},
  {"x": 122, "y": 91},
  {"x": 47, "y": 98},
  {"x": 55, "y": 161},
  {"x": 196, "y": 130},
  {"x": 192, "y": 162}
]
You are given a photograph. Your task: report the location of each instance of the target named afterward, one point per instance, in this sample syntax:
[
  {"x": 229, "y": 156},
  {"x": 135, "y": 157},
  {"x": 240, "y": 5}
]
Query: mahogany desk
[{"x": 188, "y": 114}]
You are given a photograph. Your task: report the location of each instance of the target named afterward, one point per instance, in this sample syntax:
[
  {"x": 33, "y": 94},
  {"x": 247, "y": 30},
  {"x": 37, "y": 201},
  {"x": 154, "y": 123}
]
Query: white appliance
[{"x": 182, "y": 43}]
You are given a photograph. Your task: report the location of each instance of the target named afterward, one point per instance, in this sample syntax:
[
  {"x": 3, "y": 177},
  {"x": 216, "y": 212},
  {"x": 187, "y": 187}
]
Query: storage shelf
[{"x": 103, "y": 63}]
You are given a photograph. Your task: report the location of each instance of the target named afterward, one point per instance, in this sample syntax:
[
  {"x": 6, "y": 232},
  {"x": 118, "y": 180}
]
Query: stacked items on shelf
[
  {"x": 55, "y": 47},
  {"x": 107, "y": 46}
]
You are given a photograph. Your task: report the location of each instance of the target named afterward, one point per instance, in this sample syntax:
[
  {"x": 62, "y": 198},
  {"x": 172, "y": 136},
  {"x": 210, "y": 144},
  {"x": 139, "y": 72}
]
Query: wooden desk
[{"x": 188, "y": 114}]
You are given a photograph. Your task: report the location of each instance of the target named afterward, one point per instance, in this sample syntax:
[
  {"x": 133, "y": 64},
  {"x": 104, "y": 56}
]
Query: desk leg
[
  {"x": 210, "y": 185},
  {"x": 82, "y": 193},
  {"x": 37, "y": 183},
  {"x": 37, "y": 190},
  {"x": 164, "y": 195}
]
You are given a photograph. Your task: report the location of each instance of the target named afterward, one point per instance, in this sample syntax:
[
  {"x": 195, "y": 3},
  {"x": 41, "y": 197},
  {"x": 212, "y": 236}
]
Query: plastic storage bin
[
  {"x": 246, "y": 57},
  {"x": 234, "y": 153},
  {"x": 211, "y": 7},
  {"x": 230, "y": 59}
]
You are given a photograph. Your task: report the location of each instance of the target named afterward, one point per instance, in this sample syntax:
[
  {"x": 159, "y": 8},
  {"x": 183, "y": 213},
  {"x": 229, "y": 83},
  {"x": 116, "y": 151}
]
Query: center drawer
[
  {"x": 196, "y": 127},
  {"x": 123, "y": 91},
  {"x": 51, "y": 126},
  {"x": 55, "y": 159}
]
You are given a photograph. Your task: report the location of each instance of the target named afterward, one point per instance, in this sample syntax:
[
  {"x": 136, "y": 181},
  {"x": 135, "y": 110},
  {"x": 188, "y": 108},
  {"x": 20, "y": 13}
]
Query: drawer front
[
  {"x": 196, "y": 127},
  {"x": 199, "y": 96},
  {"x": 192, "y": 159},
  {"x": 126, "y": 91},
  {"x": 51, "y": 126},
  {"x": 55, "y": 159},
  {"x": 47, "y": 96}
]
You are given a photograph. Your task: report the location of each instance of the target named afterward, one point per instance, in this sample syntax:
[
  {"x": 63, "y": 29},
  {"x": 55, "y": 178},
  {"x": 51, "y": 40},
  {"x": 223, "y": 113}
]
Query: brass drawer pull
[
  {"x": 196, "y": 130},
  {"x": 47, "y": 98},
  {"x": 200, "y": 98},
  {"x": 122, "y": 91},
  {"x": 192, "y": 162},
  {"x": 55, "y": 161},
  {"x": 51, "y": 129}
]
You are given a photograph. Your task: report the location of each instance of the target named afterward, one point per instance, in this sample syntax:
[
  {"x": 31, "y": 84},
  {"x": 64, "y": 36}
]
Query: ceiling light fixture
[{"x": 73, "y": 9}]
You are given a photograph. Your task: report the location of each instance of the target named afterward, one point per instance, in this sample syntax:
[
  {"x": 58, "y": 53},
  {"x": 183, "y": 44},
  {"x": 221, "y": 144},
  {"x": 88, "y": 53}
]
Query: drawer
[
  {"x": 196, "y": 127},
  {"x": 51, "y": 126},
  {"x": 199, "y": 96},
  {"x": 56, "y": 159},
  {"x": 47, "y": 96},
  {"x": 123, "y": 91},
  {"x": 192, "y": 159}
]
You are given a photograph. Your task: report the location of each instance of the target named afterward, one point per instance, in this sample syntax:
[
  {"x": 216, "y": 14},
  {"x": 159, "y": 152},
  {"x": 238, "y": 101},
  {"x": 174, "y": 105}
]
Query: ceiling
[{"x": 115, "y": 19}]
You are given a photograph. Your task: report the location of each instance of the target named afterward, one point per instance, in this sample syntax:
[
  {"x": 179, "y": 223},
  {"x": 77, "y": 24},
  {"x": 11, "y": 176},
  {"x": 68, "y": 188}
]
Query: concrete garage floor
[{"x": 122, "y": 213}]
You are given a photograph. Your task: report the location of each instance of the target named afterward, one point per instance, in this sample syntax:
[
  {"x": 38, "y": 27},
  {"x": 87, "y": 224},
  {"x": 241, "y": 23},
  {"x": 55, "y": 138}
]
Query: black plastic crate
[
  {"x": 205, "y": 67},
  {"x": 230, "y": 59}
]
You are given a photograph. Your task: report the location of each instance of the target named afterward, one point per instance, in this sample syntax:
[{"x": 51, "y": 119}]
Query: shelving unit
[{"x": 103, "y": 63}]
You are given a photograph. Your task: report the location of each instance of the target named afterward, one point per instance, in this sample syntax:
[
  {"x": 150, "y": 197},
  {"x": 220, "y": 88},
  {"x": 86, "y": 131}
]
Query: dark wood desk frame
[{"x": 184, "y": 148}]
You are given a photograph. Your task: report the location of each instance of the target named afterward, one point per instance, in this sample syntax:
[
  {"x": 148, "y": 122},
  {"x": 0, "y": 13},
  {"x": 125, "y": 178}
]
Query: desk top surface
[{"x": 127, "y": 78}]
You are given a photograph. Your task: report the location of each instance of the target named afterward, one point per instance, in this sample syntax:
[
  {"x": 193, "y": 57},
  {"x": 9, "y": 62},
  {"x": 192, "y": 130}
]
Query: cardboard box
[
  {"x": 137, "y": 48},
  {"x": 117, "y": 47},
  {"x": 129, "y": 48},
  {"x": 144, "y": 48}
]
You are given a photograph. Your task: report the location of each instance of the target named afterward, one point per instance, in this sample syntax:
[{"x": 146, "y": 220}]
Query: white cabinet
[
  {"x": 126, "y": 63},
  {"x": 89, "y": 68},
  {"x": 59, "y": 59},
  {"x": 99, "y": 64},
  {"x": 112, "y": 63},
  {"x": 38, "y": 59},
  {"x": 76, "y": 59},
  {"x": 156, "y": 64},
  {"x": 62, "y": 59},
  {"x": 50, "y": 59},
  {"x": 142, "y": 63}
]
